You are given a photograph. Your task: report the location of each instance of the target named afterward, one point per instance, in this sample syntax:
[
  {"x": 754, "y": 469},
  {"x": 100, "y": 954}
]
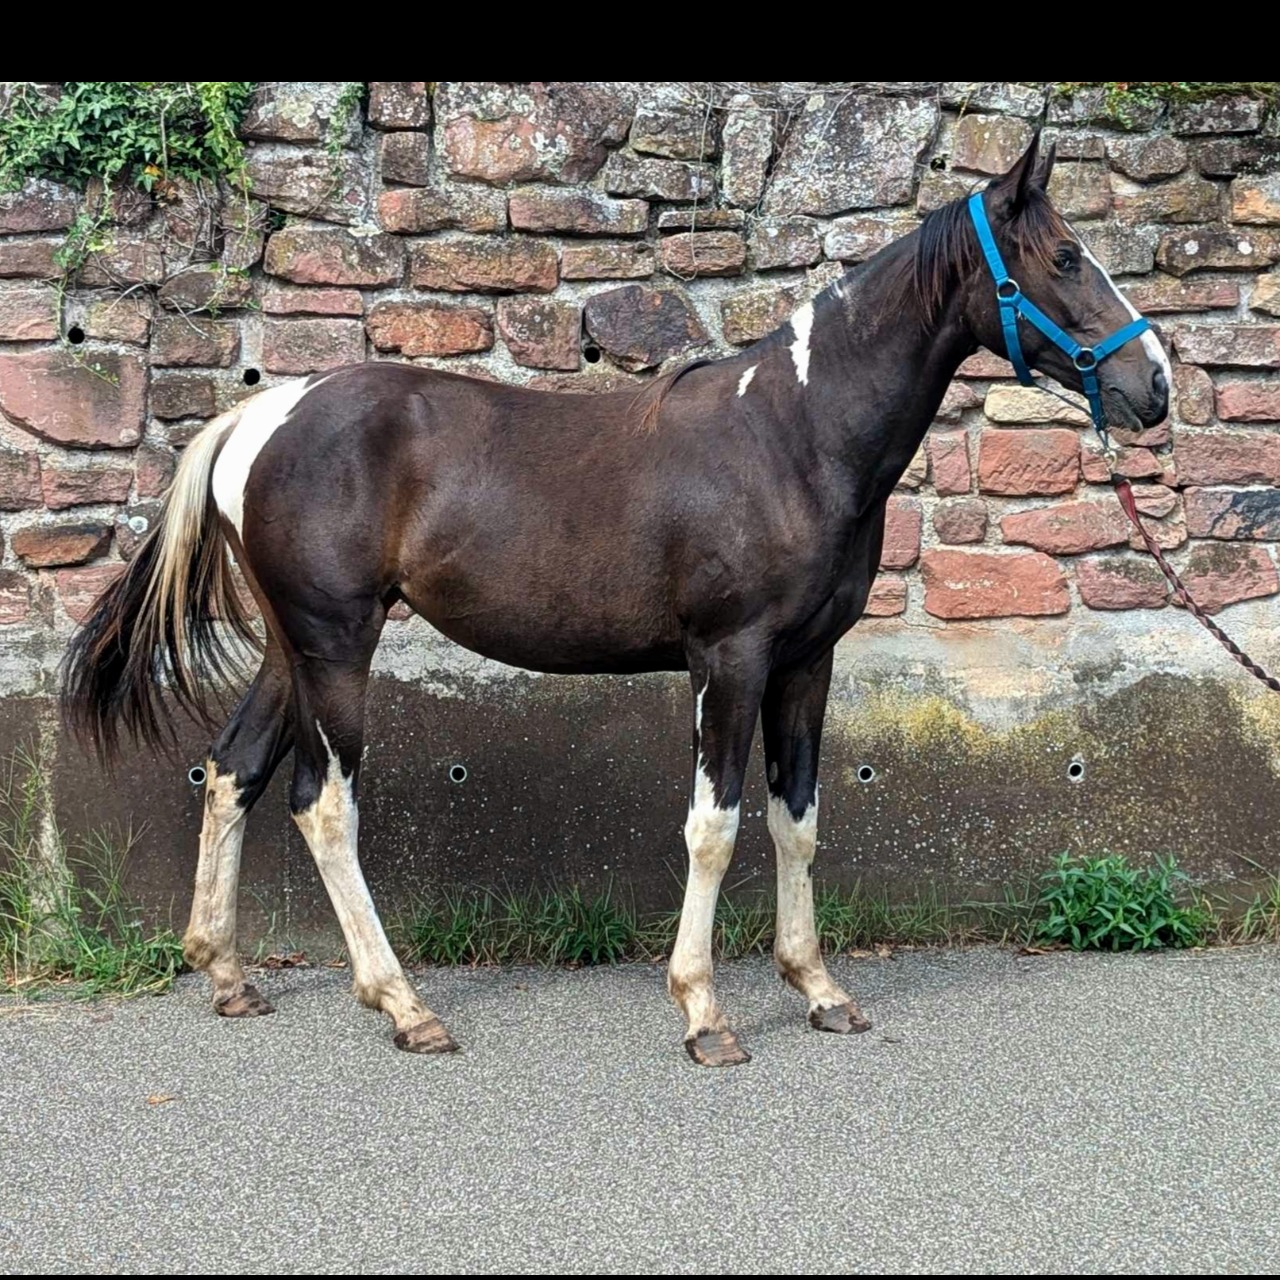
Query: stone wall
[{"x": 585, "y": 236}]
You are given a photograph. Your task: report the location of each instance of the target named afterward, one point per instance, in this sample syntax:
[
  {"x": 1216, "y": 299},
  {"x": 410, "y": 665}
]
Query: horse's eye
[{"x": 1066, "y": 260}]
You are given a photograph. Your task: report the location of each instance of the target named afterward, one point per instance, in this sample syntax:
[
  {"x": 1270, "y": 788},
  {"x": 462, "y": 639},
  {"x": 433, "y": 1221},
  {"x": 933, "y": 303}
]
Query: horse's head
[{"x": 1056, "y": 272}]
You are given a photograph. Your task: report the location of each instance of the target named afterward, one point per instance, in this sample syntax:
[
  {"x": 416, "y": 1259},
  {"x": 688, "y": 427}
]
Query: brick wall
[{"x": 583, "y": 236}]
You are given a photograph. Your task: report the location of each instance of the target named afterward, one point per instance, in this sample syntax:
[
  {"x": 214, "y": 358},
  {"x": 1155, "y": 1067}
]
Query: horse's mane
[
  {"x": 947, "y": 247},
  {"x": 650, "y": 399},
  {"x": 946, "y": 250}
]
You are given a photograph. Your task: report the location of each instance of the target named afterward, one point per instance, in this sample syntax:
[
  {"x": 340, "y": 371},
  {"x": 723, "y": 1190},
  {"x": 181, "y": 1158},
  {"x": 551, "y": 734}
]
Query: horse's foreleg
[
  {"x": 330, "y": 736},
  {"x": 794, "y": 705},
  {"x": 240, "y": 765},
  {"x": 727, "y": 683}
]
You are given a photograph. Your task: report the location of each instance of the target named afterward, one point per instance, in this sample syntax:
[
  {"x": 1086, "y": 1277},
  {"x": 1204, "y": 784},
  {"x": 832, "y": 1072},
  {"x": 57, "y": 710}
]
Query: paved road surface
[{"x": 1006, "y": 1114}]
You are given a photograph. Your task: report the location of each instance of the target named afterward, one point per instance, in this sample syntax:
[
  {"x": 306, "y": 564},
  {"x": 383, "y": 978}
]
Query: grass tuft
[
  {"x": 1260, "y": 921},
  {"x": 565, "y": 926},
  {"x": 65, "y": 919},
  {"x": 541, "y": 927}
]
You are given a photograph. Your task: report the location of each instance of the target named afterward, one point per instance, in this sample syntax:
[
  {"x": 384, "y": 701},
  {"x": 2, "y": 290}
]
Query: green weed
[{"x": 1108, "y": 904}]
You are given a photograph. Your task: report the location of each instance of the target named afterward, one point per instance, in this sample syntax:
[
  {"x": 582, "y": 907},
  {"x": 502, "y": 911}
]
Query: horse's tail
[{"x": 158, "y": 622}]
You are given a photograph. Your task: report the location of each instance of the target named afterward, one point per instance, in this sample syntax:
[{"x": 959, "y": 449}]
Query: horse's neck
[{"x": 875, "y": 373}]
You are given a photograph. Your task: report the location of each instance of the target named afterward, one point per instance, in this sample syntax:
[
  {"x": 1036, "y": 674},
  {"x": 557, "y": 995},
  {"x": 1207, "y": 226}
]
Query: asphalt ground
[{"x": 1040, "y": 1114}]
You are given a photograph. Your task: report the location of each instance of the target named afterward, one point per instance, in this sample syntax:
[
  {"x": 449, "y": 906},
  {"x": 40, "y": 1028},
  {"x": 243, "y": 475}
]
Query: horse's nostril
[{"x": 1160, "y": 383}]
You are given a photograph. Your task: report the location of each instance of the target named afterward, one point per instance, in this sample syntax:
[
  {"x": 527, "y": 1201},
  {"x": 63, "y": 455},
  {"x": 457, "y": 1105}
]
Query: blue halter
[{"x": 1013, "y": 304}]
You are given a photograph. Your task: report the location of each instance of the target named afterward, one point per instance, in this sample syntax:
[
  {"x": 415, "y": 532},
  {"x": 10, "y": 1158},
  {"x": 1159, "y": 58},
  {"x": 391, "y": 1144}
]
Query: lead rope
[{"x": 1124, "y": 491}]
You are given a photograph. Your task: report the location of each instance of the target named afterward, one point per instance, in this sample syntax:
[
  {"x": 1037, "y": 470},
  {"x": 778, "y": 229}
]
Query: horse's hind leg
[
  {"x": 240, "y": 765},
  {"x": 791, "y": 719},
  {"x": 330, "y": 736}
]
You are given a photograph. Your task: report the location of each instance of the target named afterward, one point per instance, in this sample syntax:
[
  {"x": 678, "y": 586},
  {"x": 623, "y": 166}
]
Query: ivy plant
[{"x": 139, "y": 132}]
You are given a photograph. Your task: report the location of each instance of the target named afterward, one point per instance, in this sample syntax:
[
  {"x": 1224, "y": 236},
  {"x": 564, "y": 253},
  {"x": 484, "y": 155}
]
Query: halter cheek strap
[{"x": 1014, "y": 305}]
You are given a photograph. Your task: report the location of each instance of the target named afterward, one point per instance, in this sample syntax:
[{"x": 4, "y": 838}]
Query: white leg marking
[
  {"x": 709, "y": 833},
  {"x": 260, "y": 418},
  {"x": 745, "y": 381},
  {"x": 1150, "y": 343},
  {"x": 697, "y": 708},
  {"x": 330, "y": 828},
  {"x": 210, "y": 940},
  {"x": 802, "y": 327},
  {"x": 795, "y": 949}
]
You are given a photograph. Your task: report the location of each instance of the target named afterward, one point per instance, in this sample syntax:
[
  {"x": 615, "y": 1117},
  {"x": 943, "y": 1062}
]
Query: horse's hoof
[
  {"x": 426, "y": 1037},
  {"x": 246, "y": 1003},
  {"x": 716, "y": 1049},
  {"x": 844, "y": 1019}
]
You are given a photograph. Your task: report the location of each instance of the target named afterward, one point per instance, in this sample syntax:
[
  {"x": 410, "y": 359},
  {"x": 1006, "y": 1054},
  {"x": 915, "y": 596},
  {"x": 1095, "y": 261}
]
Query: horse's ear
[
  {"x": 1027, "y": 172},
  {"x": 1045, "y": 168}
]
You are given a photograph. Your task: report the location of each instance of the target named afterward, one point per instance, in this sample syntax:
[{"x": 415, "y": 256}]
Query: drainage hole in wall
[
  {"x": 1075, "y": 770},
  {"x": 458, "y": 773},
  {"x": 75, "y": 335},
  {"x": 591, "y": 355},
  {"x": 866, "y": 773},
  {"x": 196, "y": 775},
  {"x": 252, "y": 377}
]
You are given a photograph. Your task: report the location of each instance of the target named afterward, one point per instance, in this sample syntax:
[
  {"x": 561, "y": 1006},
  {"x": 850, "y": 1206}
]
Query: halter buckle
[
  {"x": 1007, "y": 283},
  {"x": 1084, "y": 359}
]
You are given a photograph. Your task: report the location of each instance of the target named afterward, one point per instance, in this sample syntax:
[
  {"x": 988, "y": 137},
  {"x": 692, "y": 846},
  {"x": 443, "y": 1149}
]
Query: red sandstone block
[
  {"x": 1221, "y": 573},
  {"x": 960, "y": 520},
  {"x": 901, "y": 534},
  {"x": 949, "y": 461},
  {"x": 988, "y": 584},
  {"x": 1121, "y": 582},
  {"x": 79, "y": 589},
  {"x": 1228, "y": 457},
  {"x": 1068, "y": 528},
  {"x": 1028, "y": 462},
  {"x": 888, "y": 596}
]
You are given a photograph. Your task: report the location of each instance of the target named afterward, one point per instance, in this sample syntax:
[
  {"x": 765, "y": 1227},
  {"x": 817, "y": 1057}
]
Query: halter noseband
[{"x": 1013, "y": 304}]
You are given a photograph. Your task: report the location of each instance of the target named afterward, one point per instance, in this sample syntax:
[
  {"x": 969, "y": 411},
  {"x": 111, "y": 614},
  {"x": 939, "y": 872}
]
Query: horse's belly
[{"x": 570, "y": 631}]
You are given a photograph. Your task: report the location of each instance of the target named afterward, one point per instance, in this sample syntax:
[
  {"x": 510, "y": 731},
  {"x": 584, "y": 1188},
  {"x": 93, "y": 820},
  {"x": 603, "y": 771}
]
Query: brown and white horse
[{"x": 727, "y": 522}]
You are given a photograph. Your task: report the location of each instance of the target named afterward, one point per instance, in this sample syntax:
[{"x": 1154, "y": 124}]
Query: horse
[{"x": 727, "y": 522}]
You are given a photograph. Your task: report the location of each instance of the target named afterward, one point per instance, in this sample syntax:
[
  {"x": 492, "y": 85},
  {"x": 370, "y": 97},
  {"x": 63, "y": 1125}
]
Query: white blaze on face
[
  {"x": 802, "y": 327},
  {"x": 745, "y": 381},
  {"x": 331, "y": 830},
  {"x": 259, "y": 420},
  {"x": 1150, "y": 343}
]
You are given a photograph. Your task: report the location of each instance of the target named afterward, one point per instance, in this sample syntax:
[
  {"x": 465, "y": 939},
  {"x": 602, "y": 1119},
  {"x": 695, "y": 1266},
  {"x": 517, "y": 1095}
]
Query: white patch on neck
[
  {"x": 261, "y": 417},
  {"x": 802, "y": 327},
  {"x": 745, "y": 381},
  {"x": 1150, "y": 343}
]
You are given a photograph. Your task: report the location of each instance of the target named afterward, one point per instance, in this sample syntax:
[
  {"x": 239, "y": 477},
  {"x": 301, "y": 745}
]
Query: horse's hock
[{"x": 1021, "y": 684}]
